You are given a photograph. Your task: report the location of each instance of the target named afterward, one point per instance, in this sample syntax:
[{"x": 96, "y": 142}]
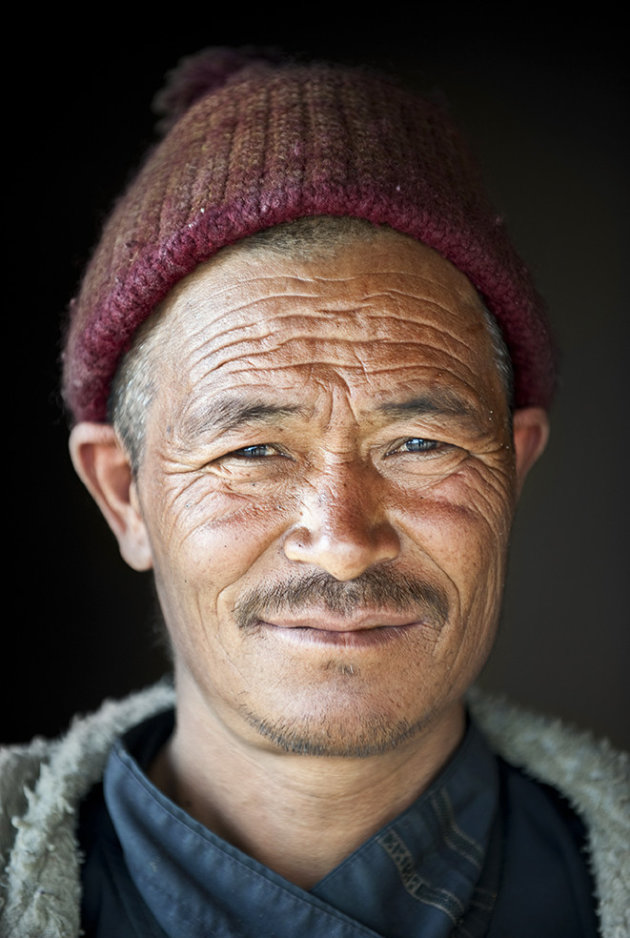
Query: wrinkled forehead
[
  {"x": 382, "y": 279},
  {"x": 367, "y": 312}
]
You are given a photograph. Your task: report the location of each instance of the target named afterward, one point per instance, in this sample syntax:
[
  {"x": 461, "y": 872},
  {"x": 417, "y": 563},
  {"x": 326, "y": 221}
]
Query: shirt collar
[{"x": 425, "y": 873}]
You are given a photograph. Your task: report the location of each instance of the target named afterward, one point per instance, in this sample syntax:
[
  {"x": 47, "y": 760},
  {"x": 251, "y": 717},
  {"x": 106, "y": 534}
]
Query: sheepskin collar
[{"x": 43, "y": 784}]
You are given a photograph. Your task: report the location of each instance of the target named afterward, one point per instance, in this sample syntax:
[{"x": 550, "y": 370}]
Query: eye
[
  {"x": 258, "y": 451},
  {"x": 417, "y": 444}
]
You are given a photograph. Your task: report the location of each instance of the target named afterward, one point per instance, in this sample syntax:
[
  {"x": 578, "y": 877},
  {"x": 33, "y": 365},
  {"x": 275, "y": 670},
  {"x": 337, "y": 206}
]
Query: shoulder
[
  {"x": 593, "y": 777},
  {"x": 20, "y": 767},
  {"x": 73, "y": 762},
  {"x": 41, "y": 787}
]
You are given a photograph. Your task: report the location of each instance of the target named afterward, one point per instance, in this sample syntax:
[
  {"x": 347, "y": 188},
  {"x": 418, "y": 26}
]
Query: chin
[{"x": 355, "y": 730}]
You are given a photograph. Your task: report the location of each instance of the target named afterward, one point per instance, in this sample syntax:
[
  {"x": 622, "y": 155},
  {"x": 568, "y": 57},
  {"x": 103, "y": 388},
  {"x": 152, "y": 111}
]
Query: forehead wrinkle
[
  {"x": 460, "y": 299},
  {"x": 430, "y": 315},
  {"x": 221, "y": 313},
  {"x": 217, "y": 283},
  {"x": 402, "y": 323},
  {"x": 196, "y": 307},
  {"x": 250, "y": 343},
  {"x": 213, "y": 337},
  {"x": 222, "y": 335},
  {"x": 211, "y": 346},
  {"x": 196, "y": 303},
  {"x": 251, "y": 356},
  {"x": 397, "y": 272}
]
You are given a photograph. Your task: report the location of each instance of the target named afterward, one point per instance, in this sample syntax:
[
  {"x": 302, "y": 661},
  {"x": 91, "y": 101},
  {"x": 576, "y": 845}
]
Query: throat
[{"x": 298, "y": 815}]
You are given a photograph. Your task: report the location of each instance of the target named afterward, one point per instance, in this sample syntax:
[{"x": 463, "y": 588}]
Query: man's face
[{"x": 327, "y": 487}]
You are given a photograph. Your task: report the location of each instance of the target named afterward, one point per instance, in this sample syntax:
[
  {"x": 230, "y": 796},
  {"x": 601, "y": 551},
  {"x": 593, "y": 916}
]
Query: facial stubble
[{"x": 357, "y": 730}]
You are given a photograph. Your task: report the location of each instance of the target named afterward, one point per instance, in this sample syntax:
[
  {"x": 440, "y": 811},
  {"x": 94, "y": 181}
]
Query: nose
[{"x": 343, "y": 527}]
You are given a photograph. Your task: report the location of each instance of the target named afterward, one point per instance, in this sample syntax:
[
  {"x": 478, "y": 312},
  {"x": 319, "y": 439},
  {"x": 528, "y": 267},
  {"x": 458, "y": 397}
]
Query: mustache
[{"x": 376, "y": 589}]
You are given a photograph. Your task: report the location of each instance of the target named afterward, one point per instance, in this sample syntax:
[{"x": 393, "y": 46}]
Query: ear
[
  {"x": 531, "y": 432},
  {"x": 103, "y": 466}
]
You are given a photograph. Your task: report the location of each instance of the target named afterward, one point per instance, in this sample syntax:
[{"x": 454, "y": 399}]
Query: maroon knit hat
[{"x": 259, "y": 143}]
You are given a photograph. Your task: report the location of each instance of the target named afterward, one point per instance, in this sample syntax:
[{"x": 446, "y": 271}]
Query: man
[{"x": 308, "y": 376}]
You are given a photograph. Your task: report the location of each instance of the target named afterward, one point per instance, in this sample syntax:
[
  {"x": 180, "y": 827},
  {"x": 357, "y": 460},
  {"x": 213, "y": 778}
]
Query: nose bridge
[
  {"x": 348, "y": 494},
  {"x": 344, "y": 526}
]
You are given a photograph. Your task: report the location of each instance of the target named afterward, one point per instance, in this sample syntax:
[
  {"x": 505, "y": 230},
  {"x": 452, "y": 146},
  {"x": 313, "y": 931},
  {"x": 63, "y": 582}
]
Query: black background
[{"x": 544, "y": 106}]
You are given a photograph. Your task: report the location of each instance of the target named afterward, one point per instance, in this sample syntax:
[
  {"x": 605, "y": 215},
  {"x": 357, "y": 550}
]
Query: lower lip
[{"x": 375, "y": 637}]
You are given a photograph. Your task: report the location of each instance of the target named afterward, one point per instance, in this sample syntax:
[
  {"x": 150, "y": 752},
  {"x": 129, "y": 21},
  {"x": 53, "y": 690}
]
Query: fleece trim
[{"x": 42, "y": 786}]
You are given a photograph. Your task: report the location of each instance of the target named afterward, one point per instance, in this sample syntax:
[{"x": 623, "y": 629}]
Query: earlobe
[
  {"x": 531, "y": 432},
  {"x": 102, "y": 464}
]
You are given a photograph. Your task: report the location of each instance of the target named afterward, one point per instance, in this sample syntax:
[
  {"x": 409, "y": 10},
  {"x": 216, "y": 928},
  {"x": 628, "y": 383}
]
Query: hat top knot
[{"x": 204, "y": 72}]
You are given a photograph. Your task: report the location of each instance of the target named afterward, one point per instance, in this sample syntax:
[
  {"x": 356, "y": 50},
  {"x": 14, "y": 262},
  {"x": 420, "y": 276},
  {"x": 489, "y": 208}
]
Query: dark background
[{"x": 544, "y": 106}]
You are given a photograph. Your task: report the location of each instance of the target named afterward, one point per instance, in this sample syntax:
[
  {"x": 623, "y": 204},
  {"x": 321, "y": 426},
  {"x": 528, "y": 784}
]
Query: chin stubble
[{"x": 376, "y": 589}]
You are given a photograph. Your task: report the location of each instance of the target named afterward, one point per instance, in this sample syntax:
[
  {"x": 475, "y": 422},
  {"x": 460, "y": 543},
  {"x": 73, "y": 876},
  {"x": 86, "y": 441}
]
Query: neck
[{"x": 299, "y": 815}]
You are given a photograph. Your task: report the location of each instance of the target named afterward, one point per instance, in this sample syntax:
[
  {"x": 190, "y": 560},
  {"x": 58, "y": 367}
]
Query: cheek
[
  {"x": 207, "y": 538},
  {"x": 465, "y": 541},
  {"x": 462, "y": 525}
]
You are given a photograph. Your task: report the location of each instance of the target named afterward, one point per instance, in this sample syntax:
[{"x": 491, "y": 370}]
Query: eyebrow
[
  {"x": 441, "y": 402},
  {"x": 228, "y": 413}
]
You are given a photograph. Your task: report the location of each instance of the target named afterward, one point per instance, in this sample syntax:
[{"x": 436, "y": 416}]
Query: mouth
[
  {"x": 376, "y": 608},
  {"x": 365, "y": 632}
]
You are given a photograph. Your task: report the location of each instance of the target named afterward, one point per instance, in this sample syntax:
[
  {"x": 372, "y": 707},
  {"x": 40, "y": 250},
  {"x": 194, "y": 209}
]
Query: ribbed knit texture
[{"x": 277, "y": 143}]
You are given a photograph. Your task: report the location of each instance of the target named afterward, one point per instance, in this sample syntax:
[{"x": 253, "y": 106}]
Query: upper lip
[{"x": 325, "y": 622}]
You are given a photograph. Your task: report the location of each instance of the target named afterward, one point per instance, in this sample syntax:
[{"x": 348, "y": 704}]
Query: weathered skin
[{"x": 380, "y": 450}]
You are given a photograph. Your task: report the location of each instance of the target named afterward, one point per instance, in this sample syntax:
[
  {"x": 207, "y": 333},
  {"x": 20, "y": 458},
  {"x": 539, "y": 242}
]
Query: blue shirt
[{"x": 482, "y": 852}]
